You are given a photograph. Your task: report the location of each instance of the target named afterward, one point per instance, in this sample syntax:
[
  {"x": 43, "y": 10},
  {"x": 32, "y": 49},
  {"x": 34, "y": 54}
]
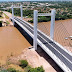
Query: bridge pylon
[
  {"x": 52, "y": 23},
  {"x": 36, "y": 14},
  {"x": 21, "y": 9},
  {"x": 12, "y": 14},
  {"x": 35, "y": 29}
]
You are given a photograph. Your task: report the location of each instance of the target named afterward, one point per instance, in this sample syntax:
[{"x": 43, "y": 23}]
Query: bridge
[{"x": 62, "y": 57}]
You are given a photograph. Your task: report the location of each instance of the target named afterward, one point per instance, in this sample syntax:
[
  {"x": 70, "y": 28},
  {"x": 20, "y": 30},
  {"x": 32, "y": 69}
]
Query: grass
[
  {"x": 22, "y": 66},
  {"x": 1, "y": 17},
  {"x": 7, "y": 22},
  {"x": 6, "y": 16},
  {"x": 23, "y": 63}
]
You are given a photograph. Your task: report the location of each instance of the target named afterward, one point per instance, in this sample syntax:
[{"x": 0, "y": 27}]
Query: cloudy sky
[{"x": 35, "y": 0}]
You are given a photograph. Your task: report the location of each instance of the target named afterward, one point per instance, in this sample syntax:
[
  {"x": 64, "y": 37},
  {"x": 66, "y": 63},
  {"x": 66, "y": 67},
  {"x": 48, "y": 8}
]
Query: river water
[{"x": 12, "y": 42}]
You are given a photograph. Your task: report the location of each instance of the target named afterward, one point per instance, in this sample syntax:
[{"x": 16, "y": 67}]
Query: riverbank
[
  {"x": 11, "y": 42},
  {"x": 14, "y": 47}
]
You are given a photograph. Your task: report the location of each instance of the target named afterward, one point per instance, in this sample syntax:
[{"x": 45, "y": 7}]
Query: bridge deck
[{"x": 62, "y": 55}]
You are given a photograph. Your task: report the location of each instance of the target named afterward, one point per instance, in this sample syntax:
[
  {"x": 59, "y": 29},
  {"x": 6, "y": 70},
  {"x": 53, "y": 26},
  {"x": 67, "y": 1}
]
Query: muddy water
[
  {"x": 11, "y": 42},
  {"x": 63, "y": 28}
]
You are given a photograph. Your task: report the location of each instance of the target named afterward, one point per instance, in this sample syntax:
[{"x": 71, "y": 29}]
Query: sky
[{"x": 35, "y": 0}]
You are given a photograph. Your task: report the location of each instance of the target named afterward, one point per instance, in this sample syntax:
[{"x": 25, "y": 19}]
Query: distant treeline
[
  {"x": 60, "y": 15},
  {"x": 1, "y": 14},
  {"x": 28, "y": 13}
]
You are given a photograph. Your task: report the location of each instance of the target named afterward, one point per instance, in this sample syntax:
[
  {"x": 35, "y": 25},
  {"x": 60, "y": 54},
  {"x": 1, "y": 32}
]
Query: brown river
[{"x": 12, "y": 42}]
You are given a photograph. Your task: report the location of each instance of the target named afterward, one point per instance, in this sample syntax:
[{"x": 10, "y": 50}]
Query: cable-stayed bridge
[{"x": 58, "y": 53}]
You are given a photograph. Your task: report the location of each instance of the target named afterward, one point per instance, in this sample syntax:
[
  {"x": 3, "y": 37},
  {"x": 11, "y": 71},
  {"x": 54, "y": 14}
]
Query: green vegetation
[
  {"x": 27, "y": 69},
  {"x": 3, "y": 71},
  {"x": 7, "y": 22},
  {"x": 42, "y": 19},
  {"x": 24, "y": 65},
  {"x": 6, "y": 16},
  {"x": 1, "y": 15},
  {"x": 0, "y": 23},
  {"x": 38, "y": 69},
  {"x": 11, "y": 70},
  {"x": 28, "y": 13},
  {"x": 63, "y": 10}
]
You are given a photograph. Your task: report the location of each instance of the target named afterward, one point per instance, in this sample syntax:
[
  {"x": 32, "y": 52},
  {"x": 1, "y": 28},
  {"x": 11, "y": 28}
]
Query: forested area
[{"x": 63, "y": 11}]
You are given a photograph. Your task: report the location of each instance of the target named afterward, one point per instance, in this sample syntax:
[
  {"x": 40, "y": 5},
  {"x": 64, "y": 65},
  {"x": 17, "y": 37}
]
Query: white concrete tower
[
  {"x": 35, "y": 29},
  {"x": 52, "y": 23},
  {"x": 12, "y": 14}
]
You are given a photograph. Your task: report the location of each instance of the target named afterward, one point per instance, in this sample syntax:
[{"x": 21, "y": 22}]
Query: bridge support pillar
[
  {"x": 52, "y": 23},
  {"x": 35, "y": 29},
  {"x": 21, "y": 12},
  {"x": 13, "y": 14}
]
